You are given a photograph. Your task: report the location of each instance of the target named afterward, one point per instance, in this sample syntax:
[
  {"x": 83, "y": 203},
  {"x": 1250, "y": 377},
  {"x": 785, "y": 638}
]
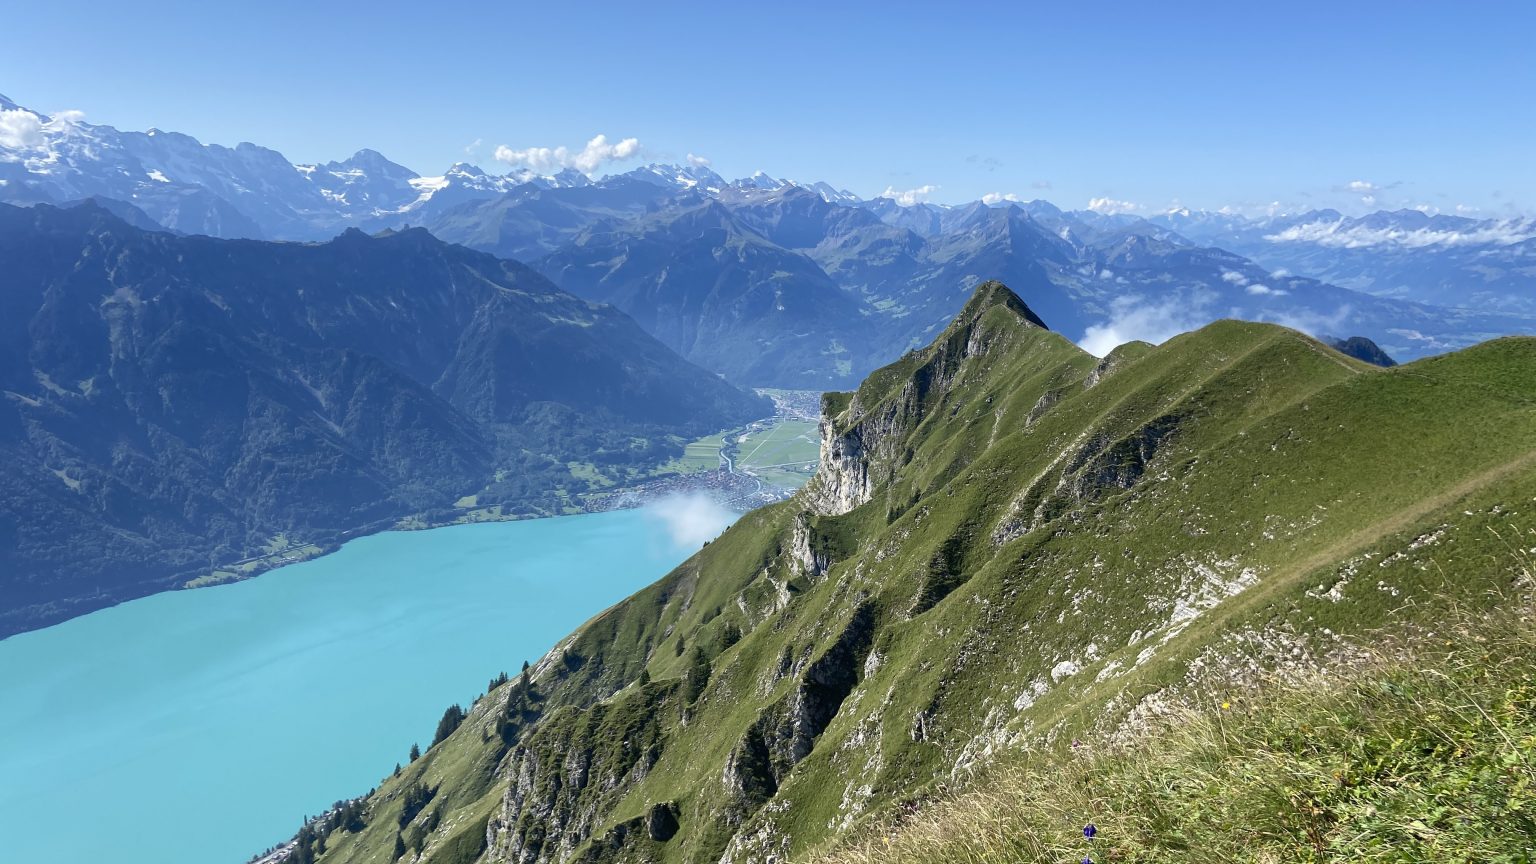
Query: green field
[
  {"x": 700, "y": 455},
  {"x": 788, "y": 442},
  {"x": 783, "y": 454}
]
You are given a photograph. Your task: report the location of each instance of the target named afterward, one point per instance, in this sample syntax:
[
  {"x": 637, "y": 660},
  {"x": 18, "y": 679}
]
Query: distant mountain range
[
  {"x": 772, "y": 282},
  {"x": 171, "y": 406},
  {"x": 1440, "y": 259}
]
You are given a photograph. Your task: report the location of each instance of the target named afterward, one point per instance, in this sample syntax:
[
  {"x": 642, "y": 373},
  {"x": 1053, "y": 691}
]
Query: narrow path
[{"x": 1359, "y": 540}]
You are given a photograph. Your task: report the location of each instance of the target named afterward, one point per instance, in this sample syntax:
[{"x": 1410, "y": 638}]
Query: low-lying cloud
[
  {"x": 21, "y": 129},
  {"x": 1134, "y": 318},
  {"x": 547, "y": 160},
  {"x": 690, "y": 520},
  {"x": 1342, "y": 235}
]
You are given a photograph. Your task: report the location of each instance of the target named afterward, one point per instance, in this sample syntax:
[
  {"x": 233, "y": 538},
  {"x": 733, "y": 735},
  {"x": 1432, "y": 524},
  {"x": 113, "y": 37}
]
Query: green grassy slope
[
  {"x": 1419, "y": 748},
  {"x": 1009, "y": 544}
]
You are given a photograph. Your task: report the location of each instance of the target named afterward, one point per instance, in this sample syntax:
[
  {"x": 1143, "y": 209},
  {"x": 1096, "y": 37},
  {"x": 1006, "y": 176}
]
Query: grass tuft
[{"x": 1422, "y": 750}]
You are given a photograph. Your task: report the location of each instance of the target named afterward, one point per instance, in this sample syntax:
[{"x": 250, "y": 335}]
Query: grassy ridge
[{"x": 1049, "y": 547}]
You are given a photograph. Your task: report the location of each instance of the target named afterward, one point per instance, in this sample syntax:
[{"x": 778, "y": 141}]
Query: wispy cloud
[
  {"x": 544, "y": 160},
  {"x": 698, "y": 161},
  {"x": 911, "y": 196},
  {"x": 1341, "y": 234},
  {"x": 1369, "y": 191},
  {"x": 1312, "y": 322},
  {"x": 1260, "y": 290},
  {"x": 999, "y": 197},
  {"x": 473, "y": 147},
  {"x": 1136, "y": 318},
  {"x": 690, "y": 520}
]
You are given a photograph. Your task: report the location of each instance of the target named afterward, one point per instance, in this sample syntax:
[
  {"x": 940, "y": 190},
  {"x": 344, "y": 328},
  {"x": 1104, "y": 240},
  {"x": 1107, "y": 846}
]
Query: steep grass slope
[
  {"x": 1009, "y": 544},
  {"x": 1417, "y": 749}
]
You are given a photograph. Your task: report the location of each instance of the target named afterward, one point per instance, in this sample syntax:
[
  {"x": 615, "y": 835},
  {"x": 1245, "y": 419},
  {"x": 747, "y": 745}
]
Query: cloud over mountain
[{"x": 595, "y": 154}]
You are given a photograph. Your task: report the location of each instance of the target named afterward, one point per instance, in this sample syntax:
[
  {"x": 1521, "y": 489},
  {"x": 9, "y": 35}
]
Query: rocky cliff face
[{"x": 865, "y": 438}]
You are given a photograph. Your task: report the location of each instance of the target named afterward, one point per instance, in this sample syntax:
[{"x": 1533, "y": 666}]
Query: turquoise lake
[{"x": 200, "y": 726}]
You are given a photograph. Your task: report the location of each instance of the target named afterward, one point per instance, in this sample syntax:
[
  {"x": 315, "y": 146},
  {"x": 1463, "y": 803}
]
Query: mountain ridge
[{"x": 1009, "y": 543}]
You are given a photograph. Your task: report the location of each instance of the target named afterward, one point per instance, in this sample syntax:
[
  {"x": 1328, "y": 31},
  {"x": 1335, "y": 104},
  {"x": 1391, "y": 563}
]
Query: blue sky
[{"x": 1207, "y": 104}]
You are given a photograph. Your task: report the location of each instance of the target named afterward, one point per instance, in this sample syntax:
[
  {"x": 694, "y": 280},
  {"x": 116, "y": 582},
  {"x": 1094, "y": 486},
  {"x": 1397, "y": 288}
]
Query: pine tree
[
  {"x": 451, "y": 720},
  {"x": 415, "y": 799},
  {"x": 399, "y": 846},
  {"x": 415, "y": 752},
  {"x": 697, "y": 676}
]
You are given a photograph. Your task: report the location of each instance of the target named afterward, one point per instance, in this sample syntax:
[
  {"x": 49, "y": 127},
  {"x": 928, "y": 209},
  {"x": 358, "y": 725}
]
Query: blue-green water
[{"x": 199, "y": 726}]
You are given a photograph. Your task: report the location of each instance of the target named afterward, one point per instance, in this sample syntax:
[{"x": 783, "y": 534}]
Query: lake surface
[{"x": 200, "y": 726}]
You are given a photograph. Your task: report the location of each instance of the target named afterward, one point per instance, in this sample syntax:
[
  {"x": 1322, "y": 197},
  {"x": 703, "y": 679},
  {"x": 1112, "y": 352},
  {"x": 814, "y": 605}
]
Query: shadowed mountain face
[
  {"x": 721, "y": 295},
  {"x": 1009, "y": 544},
  {"x": 172, "y": 404}
]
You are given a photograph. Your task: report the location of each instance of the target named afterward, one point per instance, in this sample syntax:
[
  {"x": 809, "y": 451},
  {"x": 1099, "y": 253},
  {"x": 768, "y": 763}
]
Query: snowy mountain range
[
  {"x": 831, "y": 283},
  {"x": 254, "y": 192}
]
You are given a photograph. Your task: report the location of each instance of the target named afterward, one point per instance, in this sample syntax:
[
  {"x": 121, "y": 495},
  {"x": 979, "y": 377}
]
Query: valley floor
[{"x": 760, "y": 463}]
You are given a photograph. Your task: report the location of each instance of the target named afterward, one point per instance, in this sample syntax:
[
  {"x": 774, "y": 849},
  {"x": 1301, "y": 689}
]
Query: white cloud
[
  {"x": 1133, "y": 318},
  {"x": 1313, "y": 323},
  {"x": 1368, "y": 191},
  {"x": 473, "y": 147},
  {"x": 546, "y": 160},
  {"x": 1111, "y": 207},
  {"x": 1428, "y": 342},
  {"x": 1260, "y": 290},
  {"x": 20, "y": 129},
  {"x": 698, "y": 161},
  {"x": 1339, "y": 235},
  {"x": 910, "y": 196},
  {"x": 998, "y": 197},
  {"x": 690, "y": 520},
  {"x": 1234, "y": 277}
]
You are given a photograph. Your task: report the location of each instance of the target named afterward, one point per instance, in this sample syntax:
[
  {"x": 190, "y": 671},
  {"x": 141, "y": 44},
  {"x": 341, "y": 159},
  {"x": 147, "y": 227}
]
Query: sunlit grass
[{"x": 1422, "y": 750}]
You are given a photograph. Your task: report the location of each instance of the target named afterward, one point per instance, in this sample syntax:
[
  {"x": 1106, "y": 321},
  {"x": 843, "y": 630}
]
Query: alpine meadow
[{"x": 1115, "y": 445}]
